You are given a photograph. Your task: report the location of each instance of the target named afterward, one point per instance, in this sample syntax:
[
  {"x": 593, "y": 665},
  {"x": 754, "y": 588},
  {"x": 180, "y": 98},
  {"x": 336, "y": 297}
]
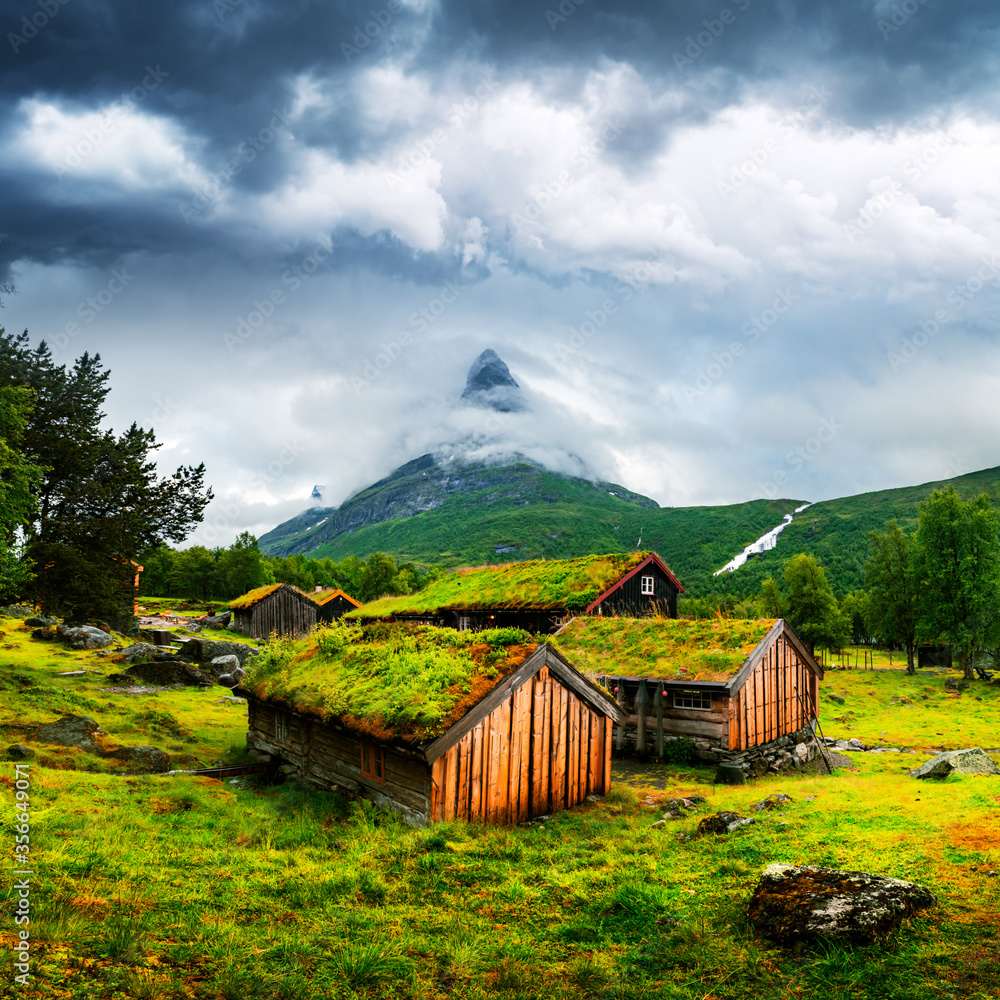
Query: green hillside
[
  {"x": 836, "y": 531},
  {"x": 467, "y": 514},
  {"x": 551, "y": 516}
]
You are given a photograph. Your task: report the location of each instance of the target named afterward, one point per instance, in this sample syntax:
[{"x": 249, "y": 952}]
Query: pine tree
[{"x": 100, "y": 501}]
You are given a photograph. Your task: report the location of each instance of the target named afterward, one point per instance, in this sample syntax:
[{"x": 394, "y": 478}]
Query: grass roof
[
  {"x": 390, "y": 680},
  {"x": 666, "y": 648},
  {"x": 538, "y": 583},
  {"x": 252, "y": 597}
]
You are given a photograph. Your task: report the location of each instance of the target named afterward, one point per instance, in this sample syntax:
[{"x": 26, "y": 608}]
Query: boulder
[
  {"x": 40, "y": 621},
  {"x": 71, "y": 731},
  {"x": 216, "y": 621},
  {"x": 793, "y": 903},
  {"x": 171, "y": 674},
  {"x": 16, "y": 611},
  {"x": 84, "y": 637},
  {"x": 222, "y": 665},
  {"x": 205, "y": 650},
  {"x": 972, "y": 761},
  {"x": 138, "y": 652},
  {"x": 19, "y": 752},
  {"x": 232, "y": 680},
  {"x": 146, "y": 760},
  {"x": 836, "y": 699}
]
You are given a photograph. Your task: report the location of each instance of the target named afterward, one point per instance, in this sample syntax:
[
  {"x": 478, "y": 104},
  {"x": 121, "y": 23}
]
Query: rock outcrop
[
  {"x": 972, "y": 761},
  {"x": 491, "y": 384},
  {"x": 793, "y": 903},
  {"x": 171, "y": 674},
  {"x": 84, "y": 637}
]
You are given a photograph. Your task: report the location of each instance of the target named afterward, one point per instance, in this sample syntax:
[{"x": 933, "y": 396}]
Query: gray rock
[
  {"x": 84, "y": 637},
  {"x": 232, "y": 680},
  {"x": 220, "y": 665},
  {"x": 170, "y": 674},
  {"x": 71, "y": 731},
  {"x": 41, "y": 621},
  {"x": 972, "y": 761},
  {"x": 836, "y": 699},
  {"x": 146, "y": 760},
  {"x": 19, "y": 752},
  {"x": 16, "y": 611},
  {"x": 792, "y": 903},
  {"x": 205, "y": 650},
  {"x": 138, "y": 652},
  {"x": 216, "y": 621}
]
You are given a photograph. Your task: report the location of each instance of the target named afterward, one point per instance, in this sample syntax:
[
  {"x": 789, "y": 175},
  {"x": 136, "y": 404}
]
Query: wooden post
[
  {"x": 658, "y": 708},
  {"x": 619, "y": 693},
  {"x": 641, "y": 706}
]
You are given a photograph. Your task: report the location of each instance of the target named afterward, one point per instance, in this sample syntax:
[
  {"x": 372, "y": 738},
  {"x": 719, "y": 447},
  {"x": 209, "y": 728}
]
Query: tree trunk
[
  {"x": 968, "y": 656},
  {"x": 911, "y": 665}
]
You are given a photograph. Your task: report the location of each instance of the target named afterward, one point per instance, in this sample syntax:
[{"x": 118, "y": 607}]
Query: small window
[
  {"x": 464, "y": 623},
  {"x": 699, "y": 700},
  {"x": 372, "y": 761},
  {"x": 647, "y": 585},
  {"x": 281, "y": 726}
]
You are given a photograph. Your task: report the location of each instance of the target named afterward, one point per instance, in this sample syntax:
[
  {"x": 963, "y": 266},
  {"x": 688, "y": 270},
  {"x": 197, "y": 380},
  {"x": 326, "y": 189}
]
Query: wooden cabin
[
  {"x": 334, "y": 604},
  {"x": 736, "y": 684},
  {"x": 278, "y": 608},
  {"x": 532, "y": 739},
  {"x": 537, "y": 595}
]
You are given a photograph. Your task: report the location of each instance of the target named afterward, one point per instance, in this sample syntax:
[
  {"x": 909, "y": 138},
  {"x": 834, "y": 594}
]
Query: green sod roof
[
  {"x": 546, "y": 584},
  {"x": 666, "y": 648},
  {"x": 252, "y": 597},
  {"x": 393, "y": 681}
]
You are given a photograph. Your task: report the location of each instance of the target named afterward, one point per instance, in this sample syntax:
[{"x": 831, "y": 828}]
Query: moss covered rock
[{"x": 794, "y": 903}]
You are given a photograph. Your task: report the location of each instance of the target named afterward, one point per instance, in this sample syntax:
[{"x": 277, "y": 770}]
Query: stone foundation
[{"x": 786, "y": 753}]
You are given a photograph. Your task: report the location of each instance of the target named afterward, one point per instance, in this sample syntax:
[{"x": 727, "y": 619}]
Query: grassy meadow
[{"x": 152, "y": 886}]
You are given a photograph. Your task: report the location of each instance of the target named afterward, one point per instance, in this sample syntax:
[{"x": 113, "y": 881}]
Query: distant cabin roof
[
  {"x": 324, "y": 597},
  {"x": 252, "y": 597},
  {"x": 392, "y": 681},
  {"x": 539, "y": 584},
  {"x": 668, "y": 649}
]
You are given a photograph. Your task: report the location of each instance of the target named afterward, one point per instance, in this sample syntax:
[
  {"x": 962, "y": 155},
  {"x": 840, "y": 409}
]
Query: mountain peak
[{"x": 491, "y": 384}]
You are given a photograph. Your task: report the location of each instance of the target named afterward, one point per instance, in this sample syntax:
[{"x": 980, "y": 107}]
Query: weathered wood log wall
[
  {"x": 541, "y": 750},
  {"x": 328, "y": 756},
  {"x": 647, "y": 700},
  {"x": 779, "y": 697}
]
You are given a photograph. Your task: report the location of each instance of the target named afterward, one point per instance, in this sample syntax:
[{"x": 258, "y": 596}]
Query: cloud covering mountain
[{"x": 737, "y": 249}]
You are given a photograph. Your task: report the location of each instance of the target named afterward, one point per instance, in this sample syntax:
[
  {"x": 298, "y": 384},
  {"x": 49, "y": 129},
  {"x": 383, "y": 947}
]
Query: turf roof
[
  {"x": 666, "y": 648},
  {"x": 393, "y": 681},
  {"x": 547, "y": 584},
  {"x": 252, "y": 597}
]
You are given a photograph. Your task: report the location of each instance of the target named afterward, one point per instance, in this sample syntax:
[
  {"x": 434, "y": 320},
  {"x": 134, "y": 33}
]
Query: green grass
[
  {"x": 171, "y": 887},
  {"x": 892, "y": 708},
  {"x": 193, "y": 888},
  {"x": 185, "y": 722},
  {"x": 667, "y": 648}
]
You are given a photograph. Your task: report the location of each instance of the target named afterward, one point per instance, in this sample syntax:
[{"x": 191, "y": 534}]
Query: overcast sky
[{"x": 729, "y": 250}]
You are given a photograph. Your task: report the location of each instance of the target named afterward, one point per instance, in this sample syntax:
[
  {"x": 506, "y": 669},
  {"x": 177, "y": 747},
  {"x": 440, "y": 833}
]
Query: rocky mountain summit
[
  {"x": 504, "y": 481},
  {"x": 491, "y": 385}
]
